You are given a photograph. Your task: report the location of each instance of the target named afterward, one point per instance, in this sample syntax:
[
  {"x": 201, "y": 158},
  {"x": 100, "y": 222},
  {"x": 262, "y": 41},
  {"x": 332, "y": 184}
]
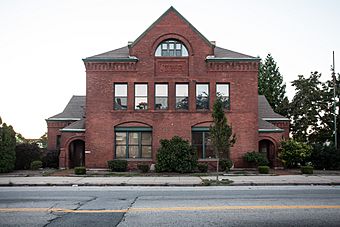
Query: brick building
[{"x": 161, "y": 85}]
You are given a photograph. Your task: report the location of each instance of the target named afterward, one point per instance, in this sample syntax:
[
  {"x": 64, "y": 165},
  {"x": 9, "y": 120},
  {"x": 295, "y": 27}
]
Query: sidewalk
[{"x": 258, "y": 180}]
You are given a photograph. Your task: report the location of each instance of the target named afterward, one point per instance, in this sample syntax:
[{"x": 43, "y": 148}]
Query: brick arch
[
  {"x": 272, "y": 155},
  {"x": 176, "y": 36},
  {"x": 202, "y": 124},
  {"x": 133, "y": 123},
  {"x": 64, "y": 158}
]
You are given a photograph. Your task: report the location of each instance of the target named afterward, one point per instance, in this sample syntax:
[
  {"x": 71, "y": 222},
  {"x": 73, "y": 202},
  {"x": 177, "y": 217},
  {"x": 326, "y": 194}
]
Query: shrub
[
  {"x": 36, "y": 165},
  {"x": 176, "y": 155},
  {"x": 51, "y": 159},
  {"x": 294, "y": 153},
  {"x": 80, "y": 170},
  {"x": 117, "y": 165},
  {"x": 143, "y": 167},
  {"x": 7, "y": 148},
  {"x": 306, "y": 169},
  {"x": 25, "y": 154},
  {"x": 325, "y": 157},
  {"x": 263, "y": 169},
  {"x": 256, "y": 158},
  {"x": 225, "y": 164},
  {"x": 202, "y": 167}
]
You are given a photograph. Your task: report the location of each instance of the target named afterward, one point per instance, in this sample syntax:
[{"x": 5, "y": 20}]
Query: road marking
[{"x": 158, "y": 209}]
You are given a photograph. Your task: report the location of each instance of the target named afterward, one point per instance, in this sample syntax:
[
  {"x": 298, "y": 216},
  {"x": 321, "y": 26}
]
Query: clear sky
[{"x": 42, "y": 43}]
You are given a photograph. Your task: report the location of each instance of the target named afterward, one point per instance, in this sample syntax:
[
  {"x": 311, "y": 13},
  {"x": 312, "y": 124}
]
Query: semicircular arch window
[{"x": 171, "y": 48}]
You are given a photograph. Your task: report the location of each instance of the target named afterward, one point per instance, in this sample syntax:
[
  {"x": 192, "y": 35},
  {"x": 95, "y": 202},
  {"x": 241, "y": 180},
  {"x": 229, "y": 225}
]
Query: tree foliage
[
  {"x": 294, "y": 153},
  {"x": 271, "y": 85},
  {"x": 27, "y": 153},
  {"x": 7, "y": 147},
  {"x": 221, "y": 133}
]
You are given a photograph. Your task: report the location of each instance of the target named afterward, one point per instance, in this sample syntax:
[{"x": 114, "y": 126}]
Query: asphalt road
[{"x": 170, "y": 206}]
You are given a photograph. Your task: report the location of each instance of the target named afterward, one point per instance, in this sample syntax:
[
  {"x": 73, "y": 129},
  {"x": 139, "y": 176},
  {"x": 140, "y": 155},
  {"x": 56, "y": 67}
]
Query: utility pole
[{"x": 334, "y": 93}]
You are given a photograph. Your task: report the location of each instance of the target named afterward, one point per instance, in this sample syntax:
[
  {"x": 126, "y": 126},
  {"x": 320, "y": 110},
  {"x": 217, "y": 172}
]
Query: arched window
[{"x": 171, "y": 48}]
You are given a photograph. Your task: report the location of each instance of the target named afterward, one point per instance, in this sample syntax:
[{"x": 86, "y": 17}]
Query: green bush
[
  {"x": 117, "y": 165},
  {"x": 202, "y": 167},
  {"x": 325, "y": 157},
  {"x": 263, "y": 169},
  {"x": 36, "y": 165},
  {"x": 143, "y": 167},
  {"x": 225, "y": 164},
  {"x": 176, "y": 155},
  {"x": 256, "y": 158},
  {"x": 80, "y": 170},
  {"x": 51, "y": 159},
  {"x": 25, "y": 154},
  {"x": 306, "y": 169},
  {"x": 294, "y": 153}
]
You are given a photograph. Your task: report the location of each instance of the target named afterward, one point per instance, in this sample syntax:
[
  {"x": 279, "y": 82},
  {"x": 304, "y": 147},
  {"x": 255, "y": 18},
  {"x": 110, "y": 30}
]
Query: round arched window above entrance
[{"x": 171, "y": 48}]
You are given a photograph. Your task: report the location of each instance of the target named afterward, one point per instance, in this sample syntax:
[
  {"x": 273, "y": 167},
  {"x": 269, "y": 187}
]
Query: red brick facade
[{"x": 144, "y": 67}]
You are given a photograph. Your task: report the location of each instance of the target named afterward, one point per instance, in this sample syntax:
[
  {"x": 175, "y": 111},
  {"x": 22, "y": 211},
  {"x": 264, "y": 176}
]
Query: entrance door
[
  {"x": 77, "y": 153},
  {"x": 267, "y": 147}
]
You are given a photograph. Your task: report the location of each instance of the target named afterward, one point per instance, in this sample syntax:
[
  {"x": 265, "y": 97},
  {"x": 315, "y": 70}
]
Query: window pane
[
  {"x": 202, "y": 89},
  {"x": 120, "y": 151},
  {"x": 158, "y": 51},
  {"x": 121, "y": 138},
  {"x": 141, "y": 103},
  {"x": 197, "y": 138},
  {"x": 120, "y": 103},
  {"x": 146, "y": 151},
  {"x": 146, "y": 138},
  {"x": 164, "y": 46},
  {"x": 120, "y": 90},
  {"x": 161, "y": 103},
  {"x": 209, "y": 152},
  {"x": 181, "y": 89},
  {"x": 222, "y": 89},
  {"x": 141, "y": 90},
  {"x": 133, "y": 138},
  {"x": 133, "y": 152},
  {"x": 182, "y": 103},
  {"x": 199, "y": 150},
  {"x": 171, "y": 46},
  {"x": 178, "y": 46},
  {"x": 161, "y": 90}
]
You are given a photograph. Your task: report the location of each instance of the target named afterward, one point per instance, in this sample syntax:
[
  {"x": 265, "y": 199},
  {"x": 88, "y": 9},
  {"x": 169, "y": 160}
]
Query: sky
[{"x": 43, "y": 42}]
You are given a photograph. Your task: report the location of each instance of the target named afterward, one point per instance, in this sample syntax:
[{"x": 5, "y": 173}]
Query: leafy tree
[
  {"x": 221, "y": 133},
  {"x": 7, "y": 147},
  {"x": 27, "y": 153},
  {"x": 271, "y": 85}
]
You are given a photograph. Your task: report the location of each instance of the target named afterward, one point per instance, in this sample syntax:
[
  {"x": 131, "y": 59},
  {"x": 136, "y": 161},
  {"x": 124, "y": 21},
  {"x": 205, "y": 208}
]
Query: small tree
[
  {"x": 221, "y": 133},
  {"x": 295, "y": 153},
  {"x": 7, "y": 148}
]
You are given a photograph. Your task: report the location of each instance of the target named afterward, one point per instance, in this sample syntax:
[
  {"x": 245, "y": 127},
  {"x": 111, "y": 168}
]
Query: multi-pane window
[
  {"x": 202, "y": 96},
  {"x": 222, "y": 92},
  {"x": 202, "y": 143},
  {"x": 171, "y": 48},
  {"x": 136, "y": 144},
  {"x": 120, "y": 99},
  {"x": 141, "y": 96},
  {"x": 182, "y": 98},
  {"x": 161, "y": 96}
]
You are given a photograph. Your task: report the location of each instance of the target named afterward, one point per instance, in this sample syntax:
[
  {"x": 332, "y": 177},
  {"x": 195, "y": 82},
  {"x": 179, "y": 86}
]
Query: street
[{"x": 170, "y": 206}]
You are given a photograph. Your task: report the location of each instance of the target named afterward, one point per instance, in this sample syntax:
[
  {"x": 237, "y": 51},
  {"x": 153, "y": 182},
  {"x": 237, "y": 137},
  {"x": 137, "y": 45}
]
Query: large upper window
[
  {"x": 161, "y": 96},
  {"x": 182, "y": 98},
  {"x": 202, "y": 96},
  {"x": 222, "y": 91},
  {"x": 136, "y": 144},
  {"x": 171, "y": 48},
  {"x": 141, "y": 96},
  {"x": 120, "y": 99}
]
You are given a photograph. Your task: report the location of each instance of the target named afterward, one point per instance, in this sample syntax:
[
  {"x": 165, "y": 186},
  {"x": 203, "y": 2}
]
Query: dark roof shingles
[
  {"x": 74, "y": 108},
  {"x": 224, "y": 53}
]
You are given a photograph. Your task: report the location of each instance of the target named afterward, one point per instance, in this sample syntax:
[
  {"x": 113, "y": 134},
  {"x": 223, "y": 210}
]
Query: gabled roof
[
  {"x": 120, "y": 54},
  {"x": 171, "y": 9},
  {"x": 73, "y": 111},
  {"x": 266, "y": 112},
  {"x": 77, "y": 126},
  {"x": 224, "y": 54}
]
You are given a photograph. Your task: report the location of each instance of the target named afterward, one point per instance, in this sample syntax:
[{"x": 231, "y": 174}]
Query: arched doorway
[
  {"x": 267, "y": 147},
  {"x": 77, "y": 153}
]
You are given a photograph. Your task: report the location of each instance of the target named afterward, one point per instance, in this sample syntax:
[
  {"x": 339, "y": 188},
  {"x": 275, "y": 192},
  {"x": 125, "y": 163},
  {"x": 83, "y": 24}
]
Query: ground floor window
[
  {"x": 133, "y": 144},
  {"x": 201, "y": 142}
]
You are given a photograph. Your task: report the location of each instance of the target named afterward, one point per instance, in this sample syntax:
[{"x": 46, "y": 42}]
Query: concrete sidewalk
[{"x": 259, "y": 180}]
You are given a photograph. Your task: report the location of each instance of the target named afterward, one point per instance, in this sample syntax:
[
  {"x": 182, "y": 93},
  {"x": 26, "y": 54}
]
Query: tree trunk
[{"x": 218, "y": 160}]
